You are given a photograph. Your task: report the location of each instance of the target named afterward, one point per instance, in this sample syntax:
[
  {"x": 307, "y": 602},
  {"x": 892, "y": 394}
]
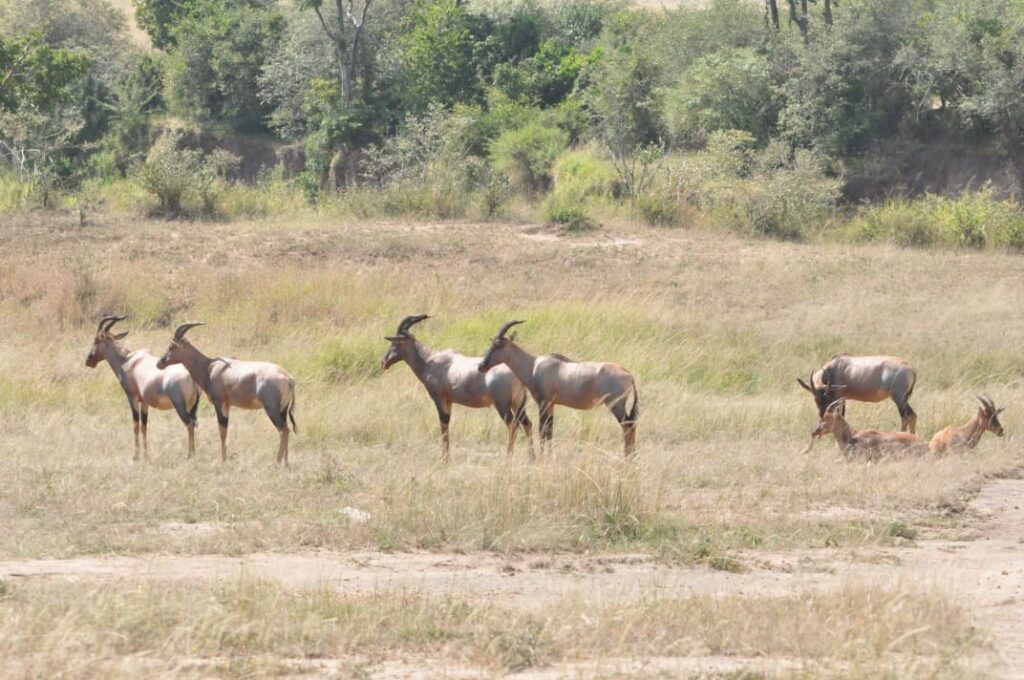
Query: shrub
[
  {"x": 525, "y": 155},
  {"x": 171, "y": 175},
  {"x": 572, "y": 219},
  {"x": 973, "y": 220},
  {"x": 580, "y": 174},
  {"x": 658, "y": 208}
]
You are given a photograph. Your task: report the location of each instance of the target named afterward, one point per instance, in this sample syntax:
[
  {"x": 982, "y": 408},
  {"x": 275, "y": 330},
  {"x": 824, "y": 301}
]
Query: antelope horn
[
  {"x": 180, "y": 331},
  {"x": 408, "y": 322},
  {"x": 835, "y": 404},
  {"x": 986, "y": 401},
  {"x": 504, "y": 329},
  {"x": 812, "y": 381},
  {"x": 109, "y": 320}
]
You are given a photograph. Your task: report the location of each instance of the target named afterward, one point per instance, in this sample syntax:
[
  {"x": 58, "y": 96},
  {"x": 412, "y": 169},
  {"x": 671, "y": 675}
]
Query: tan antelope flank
[
  {"x": 451, "y": 378},
  {"x": 968, "y": 435},
  {"x": 869, "y": 444},
  {"x": 229, "y": 382},
  {"x": 870, "y": 378},
  {"x": 556, "y": 380},
  {"x": 146, "y": 384}
]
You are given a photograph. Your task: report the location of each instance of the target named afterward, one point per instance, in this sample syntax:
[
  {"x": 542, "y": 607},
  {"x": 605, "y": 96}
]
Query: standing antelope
[
  {"x": 968, "y": 435},
  {"x": 145, "y": 383},
  {"x": 229, "y": 382},
  {"x": 451, "y": 378},
  {"x": 871, "y": 379},
  {"x": 554, "y": 379},
  {"x": 867, "y": 443}
]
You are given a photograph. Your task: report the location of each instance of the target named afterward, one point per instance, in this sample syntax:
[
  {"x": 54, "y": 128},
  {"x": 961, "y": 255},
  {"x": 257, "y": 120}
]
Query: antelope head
[
  {"x": 401, "y": 341},
  {"x": 824, "y": 394},
  {"x": 175, "y": 351},
  {"x": 989, "y": 415},
  {"x": 103, "y": 338},
  {"x": 831, "y": 420},
  {"x": 500, "y": 345}
]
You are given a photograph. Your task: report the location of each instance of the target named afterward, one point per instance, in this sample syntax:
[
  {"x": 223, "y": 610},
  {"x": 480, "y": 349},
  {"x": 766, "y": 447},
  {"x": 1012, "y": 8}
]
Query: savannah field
[{"x": 720, "y": 551}]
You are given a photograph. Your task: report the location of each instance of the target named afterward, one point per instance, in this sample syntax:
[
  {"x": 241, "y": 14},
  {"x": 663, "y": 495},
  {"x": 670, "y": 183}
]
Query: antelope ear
[
  {"x": 393, "y": 338},
  {"x": 119, "y": 336},
  {"x": 805, "y": 385},
  {"x": 1000, "y": 410}
]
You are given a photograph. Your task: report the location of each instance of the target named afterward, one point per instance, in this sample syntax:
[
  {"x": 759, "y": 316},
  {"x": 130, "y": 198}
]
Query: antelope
[
  {"x": 554, "y": 379},
  {"x": 229, "y": 382},
  {"x": 968, "y": 435},
  {"x": 451, "y": 378},
  {"x": 867, "y": 443},
  {"x": 873, "y": 379},
  {"x": 144, "y": 383}
]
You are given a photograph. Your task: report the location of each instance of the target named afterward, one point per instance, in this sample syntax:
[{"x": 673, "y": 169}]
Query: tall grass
[{"x": 249, "y": 628}]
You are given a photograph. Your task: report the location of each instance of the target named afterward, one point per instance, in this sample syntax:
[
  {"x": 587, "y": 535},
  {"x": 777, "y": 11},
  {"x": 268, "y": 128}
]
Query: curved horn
[
  {"x": 180, "y": 331},
  {"x": 504, "y": 329},
  {"x": 835, "y": 404},
  {"x": 109, "y": 320},
  {"x": 986, "y": 401},
  {"x": 408, "y": 322},
  {"x": 812, "y": 382}
]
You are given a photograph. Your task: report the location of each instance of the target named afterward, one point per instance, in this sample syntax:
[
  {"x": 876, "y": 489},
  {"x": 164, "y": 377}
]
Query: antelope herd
[{"x": 502, "y": 379}]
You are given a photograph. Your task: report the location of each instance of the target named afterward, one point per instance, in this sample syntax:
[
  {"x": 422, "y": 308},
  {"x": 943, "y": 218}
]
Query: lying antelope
[
  {"x": 229, "y": 382},
  {"x": 870, "y": 379},
  {"x": 968, "y": 435},
  {"x": 145, "y": 383},
  {"x": 555, "y": 380},
  {"x": 451, "y": 378},
  {"x": 864, "y": 443}
]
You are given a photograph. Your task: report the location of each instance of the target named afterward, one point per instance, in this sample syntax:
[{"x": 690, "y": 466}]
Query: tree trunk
[
  {"x": 772, "y": 13},
  {"x": 801, "y": 19},
  {"x": 827, "y": 14}
]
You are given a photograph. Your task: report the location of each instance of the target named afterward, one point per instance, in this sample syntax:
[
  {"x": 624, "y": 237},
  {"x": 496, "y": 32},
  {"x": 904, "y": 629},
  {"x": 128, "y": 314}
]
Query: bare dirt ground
[{"x": 986, "y": 574}]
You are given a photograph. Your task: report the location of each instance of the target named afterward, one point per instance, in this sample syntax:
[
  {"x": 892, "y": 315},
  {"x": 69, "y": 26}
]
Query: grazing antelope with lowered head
[
  {"x": 145, "y": 383},
  {"x": 451, "y": 378},
  {"x": 873, "y": 379},
  {"x": 968, "y": 435},
  {"x": 229, "y": 382},
  {"x": 554, "y": 379},
  {"x": 869, "y": 444}
]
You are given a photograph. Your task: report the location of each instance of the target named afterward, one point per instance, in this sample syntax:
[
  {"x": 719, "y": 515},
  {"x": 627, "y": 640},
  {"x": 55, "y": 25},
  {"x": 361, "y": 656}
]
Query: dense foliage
[{"x": 447, "y": 107}]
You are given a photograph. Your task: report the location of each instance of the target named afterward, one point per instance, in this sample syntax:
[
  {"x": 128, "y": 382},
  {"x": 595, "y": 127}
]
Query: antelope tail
[
  {"x": 291, "y": 414},
  {"x": 635, "y": 411}
]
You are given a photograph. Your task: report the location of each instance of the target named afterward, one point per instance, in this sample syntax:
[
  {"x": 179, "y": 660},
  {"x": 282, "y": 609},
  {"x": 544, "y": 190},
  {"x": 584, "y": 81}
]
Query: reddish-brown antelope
[
  {"x": 554, "y": 380},
  {"x": 229, "y": 382},
  {"x": 872, "y": 379},
  {"x": 868, "y": 444},
  {"x": 451, "y": 378},
  {"x": 145, "y": 383},
  {"x": 968, "y": 435}
]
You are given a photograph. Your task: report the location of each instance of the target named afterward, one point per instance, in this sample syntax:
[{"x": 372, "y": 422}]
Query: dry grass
[
  {"x": 715, "y": 328},
  {"x": 250, "y": 629}
]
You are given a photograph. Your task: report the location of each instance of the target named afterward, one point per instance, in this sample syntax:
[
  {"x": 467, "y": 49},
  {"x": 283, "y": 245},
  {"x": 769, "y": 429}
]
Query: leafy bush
[
  {"x": 658, "y": 208},
  {"x": 732, "y": 89},
  {"x": 525, "y": 155},
  {"x": 580, "y": 174},
  {"x": 974, "y": 220},
  {"x": 171, "y": 175},
  {"x": 572, "y": 219}
]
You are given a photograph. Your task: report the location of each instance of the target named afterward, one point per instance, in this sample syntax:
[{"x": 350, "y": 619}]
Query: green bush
[
  {"x": 172, "y": 175},
  {"x": 525, "y": 155},
  {"x": 579, "y": 174},
  {"x": 658, "y": 208},
  {"x": 974, "y": 220},
  {"x": 572, "y": 219}
]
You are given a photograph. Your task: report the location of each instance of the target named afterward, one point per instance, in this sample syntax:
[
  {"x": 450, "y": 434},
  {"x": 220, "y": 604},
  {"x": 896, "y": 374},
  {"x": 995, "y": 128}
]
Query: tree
[
  {"x": 213, "y": 70},
  {"x": 345, "y": 28},
  {"x": 159, "y": 18},
  {"x": 33, "y": 73}
]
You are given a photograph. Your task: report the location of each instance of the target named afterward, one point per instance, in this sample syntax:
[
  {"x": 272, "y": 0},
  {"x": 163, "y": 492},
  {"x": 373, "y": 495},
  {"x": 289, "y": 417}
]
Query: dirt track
[{"x": 987, "y": 574}]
